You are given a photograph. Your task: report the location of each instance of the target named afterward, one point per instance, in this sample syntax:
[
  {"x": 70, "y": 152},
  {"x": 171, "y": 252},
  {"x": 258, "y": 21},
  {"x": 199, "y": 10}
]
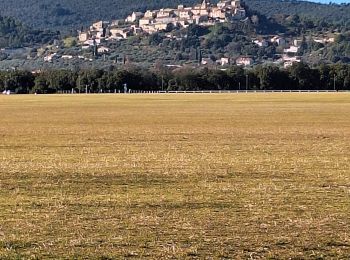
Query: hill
[
  {"x": 69, "y": 14},
  {"x": 15, "y": 34},
  {"x": 332, "y": 13}
]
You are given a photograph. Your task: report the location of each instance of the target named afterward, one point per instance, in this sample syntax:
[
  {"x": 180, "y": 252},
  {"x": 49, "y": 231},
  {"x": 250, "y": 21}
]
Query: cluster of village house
[
  {"x": 152, "y": 21},
  {"x": 204, "y": 14},
  {"x": 290, "y": 48},
  {"x": 289, "y": 56}
]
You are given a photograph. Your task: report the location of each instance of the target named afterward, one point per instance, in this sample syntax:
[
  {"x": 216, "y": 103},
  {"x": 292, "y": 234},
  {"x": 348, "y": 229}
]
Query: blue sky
[{"x": 333, "y": 1}]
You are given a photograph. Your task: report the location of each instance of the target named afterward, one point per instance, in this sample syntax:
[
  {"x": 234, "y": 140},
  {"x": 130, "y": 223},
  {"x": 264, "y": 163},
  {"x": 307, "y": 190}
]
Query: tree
[
  {"x": 237, "y": 77},
  {"x": 41, "y": 85},
  {"x": 155, "y": 39},
  {"x": 305, "y": 77},
  {"x": 219, "y": 80},
  {"x": 20, "y": 82}
]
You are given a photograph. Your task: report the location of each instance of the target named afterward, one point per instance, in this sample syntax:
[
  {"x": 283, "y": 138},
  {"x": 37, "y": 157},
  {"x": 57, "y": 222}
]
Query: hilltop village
[
  {"x": 152, "y": 21},
  {"x": 203, "y": 35},
  {"x": 100, "y": 34}
]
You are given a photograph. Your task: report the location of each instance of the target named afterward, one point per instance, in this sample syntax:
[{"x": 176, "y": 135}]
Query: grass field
[{"x": 175, "y": 176}]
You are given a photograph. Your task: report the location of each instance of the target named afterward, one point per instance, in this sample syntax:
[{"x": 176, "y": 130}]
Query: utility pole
[
  {"x": 246, "y": 82},
  {"x": 78, "y": 84},
  {"x": 6, "y": 83},
  {"x": 334, "y": 80},
  {"x": 162, "y": 83},
  {"x": 99, "y": 85}
]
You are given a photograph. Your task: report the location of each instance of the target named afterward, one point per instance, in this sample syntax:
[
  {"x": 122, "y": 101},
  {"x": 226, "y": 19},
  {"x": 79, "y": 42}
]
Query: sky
[{"x": 327, "y": 1}]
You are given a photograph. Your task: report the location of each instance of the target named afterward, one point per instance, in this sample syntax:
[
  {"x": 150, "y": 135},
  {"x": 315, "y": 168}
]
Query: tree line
[{"x": 300, "y": 76}]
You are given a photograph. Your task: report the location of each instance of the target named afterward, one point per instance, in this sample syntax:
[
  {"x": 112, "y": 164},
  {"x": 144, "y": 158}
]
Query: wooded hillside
[
  {"x": 15, "y": 34},
  {"x": 67, "y": 14}
]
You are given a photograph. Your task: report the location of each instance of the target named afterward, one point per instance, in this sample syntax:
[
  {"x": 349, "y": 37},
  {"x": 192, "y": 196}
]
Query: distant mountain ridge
[{"x": 72, "y": 14}]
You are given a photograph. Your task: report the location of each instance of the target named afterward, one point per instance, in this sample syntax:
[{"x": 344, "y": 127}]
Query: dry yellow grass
[{"x": 184, "y": 176}]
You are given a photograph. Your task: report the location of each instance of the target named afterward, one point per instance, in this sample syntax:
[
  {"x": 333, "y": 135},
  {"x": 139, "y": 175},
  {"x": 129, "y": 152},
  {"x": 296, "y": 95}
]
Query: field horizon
[{"x": 257, "y": 175}]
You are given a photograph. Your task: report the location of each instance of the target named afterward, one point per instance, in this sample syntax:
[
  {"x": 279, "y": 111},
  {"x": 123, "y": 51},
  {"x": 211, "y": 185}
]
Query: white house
[
  {"x": 244, "y": 61},
  {"x": 297, "y": 42},
  {"x": 145, "y": 21},
  {"x": 239, "y": 13},
  {"x": 99, "y": 25},
  {"x": 207, "y": 61},
  {"x": 50, "y": 57},
  {"x": 135, "y": 16},
  {"x": 103, "y": 49},
  {"x": 120, "y": 32},
  {"x": 291, "y": 49},
  {"x": 67, "y": 57},
  {"x": 324, "y": 40},
  {"x": 279, "y": 40},
  {"x": 261, "y": 43},
  {"x": 224, "y": 61},
  {"x": 150, "y": 14},
  {"x": 83, "y": 36},
  {"x": 290, "y": 63}
]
